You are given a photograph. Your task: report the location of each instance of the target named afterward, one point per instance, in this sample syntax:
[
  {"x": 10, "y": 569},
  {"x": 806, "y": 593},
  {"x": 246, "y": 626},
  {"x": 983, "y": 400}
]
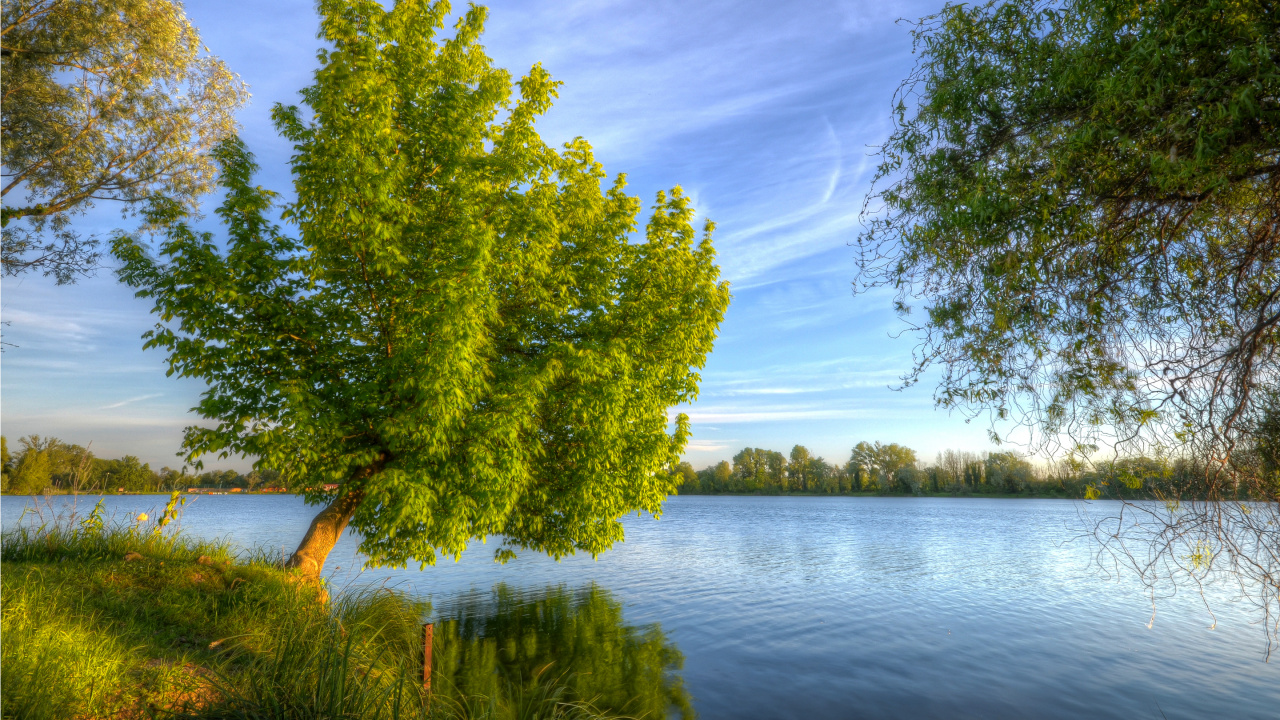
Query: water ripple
[{"x": 861, "y": 607}]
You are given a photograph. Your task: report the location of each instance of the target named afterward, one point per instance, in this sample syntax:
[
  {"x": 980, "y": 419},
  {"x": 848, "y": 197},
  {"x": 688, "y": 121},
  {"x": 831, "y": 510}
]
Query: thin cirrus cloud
[
  {"x": 708, "y": 446},
  {"x": 726, "y": 416},
  {"x": 766, "y": 113},
  {"x": 48, "y": 324},
  {"x": 130, "y": 401}
]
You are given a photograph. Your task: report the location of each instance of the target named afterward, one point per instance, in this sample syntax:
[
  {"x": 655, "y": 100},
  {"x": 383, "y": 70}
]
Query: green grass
[{"x": 182, "y": 629}]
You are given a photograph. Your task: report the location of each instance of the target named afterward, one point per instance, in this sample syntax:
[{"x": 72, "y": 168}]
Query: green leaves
[
  {"x": 1085, "y": 197},
  {"x": 464, "y": 330},
  {"x": 102, "y": 100}
]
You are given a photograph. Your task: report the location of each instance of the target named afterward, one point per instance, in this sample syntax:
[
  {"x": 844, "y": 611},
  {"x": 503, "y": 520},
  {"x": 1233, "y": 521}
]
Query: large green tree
[
  {"x": 879, "y": 463},
  {"x": 38, "y": 464},
  {"x": 1008, "y": 471},
  {"x": 101, "y": 100},
  {"x": 467, "y": 336},
  {"x": 798, "y": 468},
  {"x": 1084, "y": 196},
  {"x": 757, "y": 469},
  {"x": 5, "y": 460}
]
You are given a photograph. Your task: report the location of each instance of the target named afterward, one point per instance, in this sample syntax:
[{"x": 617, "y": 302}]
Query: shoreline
[{"x": 243, "y": 493}]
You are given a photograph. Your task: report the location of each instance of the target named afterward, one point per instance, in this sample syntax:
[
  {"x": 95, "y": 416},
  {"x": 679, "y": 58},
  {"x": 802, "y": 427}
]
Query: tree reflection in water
[{"x": 516, "y": 641}]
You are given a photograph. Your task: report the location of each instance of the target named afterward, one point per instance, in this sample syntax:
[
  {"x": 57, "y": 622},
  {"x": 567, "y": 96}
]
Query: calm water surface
[{"x": 858, "y": 607}]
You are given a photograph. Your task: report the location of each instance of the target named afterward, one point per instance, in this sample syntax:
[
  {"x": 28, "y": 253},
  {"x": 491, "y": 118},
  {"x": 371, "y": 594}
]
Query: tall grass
[
  {"x": 45, "y": 535},
  {"x": 183, "y": 630},
  {"x": 86, "y": 633},
  {"x": 54, "y": 666},
  {"x": 363, "y": 661},
  {"x": 354, "y": 661}
]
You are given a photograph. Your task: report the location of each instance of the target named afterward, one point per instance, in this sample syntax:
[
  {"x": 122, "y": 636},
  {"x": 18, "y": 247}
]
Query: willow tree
[
  {"x": 1085, "y": 198},
  {"x": 466, "y": 338},
  {"x": 101, "y": 100}
]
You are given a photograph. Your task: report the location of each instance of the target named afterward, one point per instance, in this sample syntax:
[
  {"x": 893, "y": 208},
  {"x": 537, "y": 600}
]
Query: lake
[{"x": 800, "y": 607}]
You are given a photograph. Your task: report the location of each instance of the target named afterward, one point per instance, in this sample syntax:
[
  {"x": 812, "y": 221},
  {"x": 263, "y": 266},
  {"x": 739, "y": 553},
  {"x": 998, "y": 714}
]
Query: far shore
[{"x": 1001, "y": 496}]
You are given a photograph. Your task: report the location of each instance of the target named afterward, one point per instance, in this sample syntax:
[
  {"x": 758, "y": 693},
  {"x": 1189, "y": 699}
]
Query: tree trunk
[{"x": 323, "y": 534}]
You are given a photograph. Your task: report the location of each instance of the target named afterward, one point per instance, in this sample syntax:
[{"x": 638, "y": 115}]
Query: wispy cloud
[
  {"x": 708, "y": 445},
  {"x": 766, "y": 391},
  {"x": 756, "y": 416},
  {"x": 732, "y": 415},
  {"x": 51, "y": 325},
  {"x": 833, "y": 180},
  {"x": 122, "y": 403}
]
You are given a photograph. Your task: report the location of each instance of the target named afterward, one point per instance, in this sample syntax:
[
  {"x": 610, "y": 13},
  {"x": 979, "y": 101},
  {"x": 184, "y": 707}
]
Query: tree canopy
[
  {"x": 893, "y": 469},
  {"x": 877, "y": 461},
  {"x": 102, "y": 100},
  {"x": 1085, "y": 197},
  {"x": 465, "y": 336}
]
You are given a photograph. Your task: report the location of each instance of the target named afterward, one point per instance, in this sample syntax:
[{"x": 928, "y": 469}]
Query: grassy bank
[{"x": 125, "y": 620}]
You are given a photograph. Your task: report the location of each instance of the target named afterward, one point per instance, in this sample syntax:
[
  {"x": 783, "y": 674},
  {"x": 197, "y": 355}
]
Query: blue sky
[{"x": 766, "y": 113}]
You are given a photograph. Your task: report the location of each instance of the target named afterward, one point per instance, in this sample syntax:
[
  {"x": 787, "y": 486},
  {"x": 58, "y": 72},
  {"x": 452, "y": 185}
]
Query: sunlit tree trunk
[{"x": 323, "y": 534}]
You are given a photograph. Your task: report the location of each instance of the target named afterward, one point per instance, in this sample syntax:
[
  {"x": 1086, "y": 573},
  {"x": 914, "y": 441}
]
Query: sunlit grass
[{"x": 118, "y": 617}]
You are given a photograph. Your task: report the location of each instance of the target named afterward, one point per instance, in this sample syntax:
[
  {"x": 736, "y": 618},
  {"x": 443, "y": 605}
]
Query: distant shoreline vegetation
[
  {"x": 49, "y": 466},
  {"x": 878, "y": 469}
]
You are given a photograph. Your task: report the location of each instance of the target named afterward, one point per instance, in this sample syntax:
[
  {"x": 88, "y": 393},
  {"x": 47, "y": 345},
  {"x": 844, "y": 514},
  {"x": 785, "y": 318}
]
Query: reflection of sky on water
[{"x": 863, "y": 607}]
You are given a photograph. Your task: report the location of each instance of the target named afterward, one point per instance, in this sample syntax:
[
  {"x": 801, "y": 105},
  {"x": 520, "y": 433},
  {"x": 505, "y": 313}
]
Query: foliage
[
  {"x": 128, "y": 473},
  {"x": 720, "y": 475},
  {"x": 877, "y": 466},
  {"x": 32, "y": 474},
  {"x": 974, "y": 475},
  {"x": 907, "y": 479},
  {"x": 799, "y": 464},
  {"x": 758, "y": 469},
  {"x": 102, "y": 100},
  {"x": 1008, "y": 471},
  {"x": 49, "y": 462},
  {"x": 685, "y": 473},
  {"x": 1085, "y": 197},
  {"x": 5, "y": 460},
  {"x": 892, "y": 469},
  {"x": 465, "y": 339},
  {"x": 1265, "y": 448},
  {"x": 74, "y": 469},
  {"x": 952, "y": 472}
]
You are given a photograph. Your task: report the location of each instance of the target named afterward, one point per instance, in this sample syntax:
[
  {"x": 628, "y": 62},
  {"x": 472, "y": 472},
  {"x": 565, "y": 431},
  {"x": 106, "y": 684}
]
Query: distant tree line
[
  {"x": 47, "y": 464},
  {"x": 893, "y": 469}
]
